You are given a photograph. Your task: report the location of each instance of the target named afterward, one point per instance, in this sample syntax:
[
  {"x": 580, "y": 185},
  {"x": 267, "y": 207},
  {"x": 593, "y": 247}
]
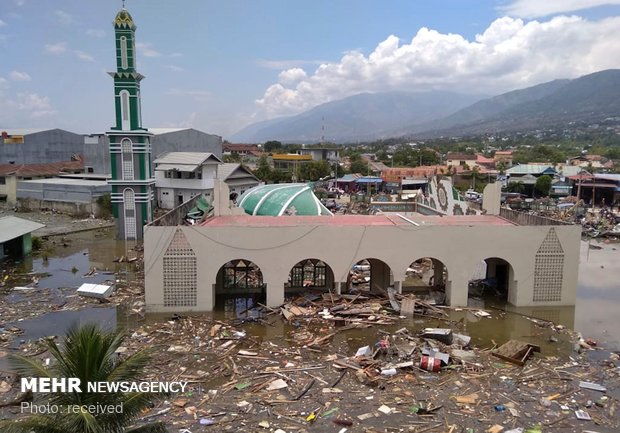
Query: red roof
[{"x": 47, "y": 169}]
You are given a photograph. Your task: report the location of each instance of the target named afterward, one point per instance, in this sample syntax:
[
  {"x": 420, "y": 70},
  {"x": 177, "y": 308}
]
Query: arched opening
[
  {"x": 124, "y": 62},
  {"x": 129, "y": 207},
  {"x": 239, "y": 287},
  {"x": 493, "y": 281},
  {"x": 310, "y": 274},
  {"x": 127, "y": 149},
  {"x": 369, "y": 275},
  {"x": 427, "y": 277}
]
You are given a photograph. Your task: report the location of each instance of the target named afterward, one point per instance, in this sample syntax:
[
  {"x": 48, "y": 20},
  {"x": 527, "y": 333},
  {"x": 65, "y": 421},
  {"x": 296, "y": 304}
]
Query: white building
[{"x": 179, "y": 176}]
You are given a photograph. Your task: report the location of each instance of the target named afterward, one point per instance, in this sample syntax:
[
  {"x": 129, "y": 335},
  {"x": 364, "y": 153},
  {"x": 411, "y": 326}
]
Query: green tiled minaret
[{"x": 132, "y": 179}]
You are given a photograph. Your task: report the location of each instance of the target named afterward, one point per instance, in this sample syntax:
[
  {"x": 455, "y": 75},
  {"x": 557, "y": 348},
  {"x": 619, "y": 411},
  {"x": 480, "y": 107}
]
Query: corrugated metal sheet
[
  {"x": 12, "y": 227},
  {"x": 195, "y": 158}
]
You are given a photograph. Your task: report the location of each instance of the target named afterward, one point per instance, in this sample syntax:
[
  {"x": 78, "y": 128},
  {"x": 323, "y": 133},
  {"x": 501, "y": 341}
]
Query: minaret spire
[{"x": 130, "y": 147}]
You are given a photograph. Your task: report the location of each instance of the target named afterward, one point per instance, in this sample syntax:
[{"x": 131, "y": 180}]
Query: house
[
  {"x": 15, "y": 236},
  {"x": 593, "y": 188},
  {"x": 238, "y": 177},
  {"x": 528, "y": 174},
  {"x": 589, "y": 161},
  {"x": 321, "y": 153},
  {"x": 503, "y": 156},
  {"x": 11, "y": 174},
  {"x": 454, "y": 159},
  {"x": 289, "y": 162},
  {"x": 240, "y": 149},
  {"x": 180, "y": 176}
]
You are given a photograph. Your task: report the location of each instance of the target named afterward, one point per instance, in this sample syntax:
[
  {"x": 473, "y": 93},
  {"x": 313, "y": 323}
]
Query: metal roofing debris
[
  {"x": 95, "y": 290},
  {"x": 12, "y": 227}
]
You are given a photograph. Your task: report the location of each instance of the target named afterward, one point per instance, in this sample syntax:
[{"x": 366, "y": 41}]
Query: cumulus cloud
[
  {"x": 147, "y": 50},
  {"x": 2, "y": 23},
  {"x": 541, "y": 8},
  {"x": 34, "y": 104},
  {"x": 63, "y": 17},
  {"x": 84, "y": 56},
  {"x": 292, "y": 76},
  {"x": 57, "y": 48},
  {"x": 19, "y": 76},
  {"x": 509, "y": 54}
]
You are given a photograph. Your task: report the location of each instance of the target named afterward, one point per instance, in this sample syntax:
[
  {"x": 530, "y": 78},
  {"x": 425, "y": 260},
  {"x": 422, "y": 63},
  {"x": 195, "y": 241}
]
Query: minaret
[{"x": 132, "y": 179}]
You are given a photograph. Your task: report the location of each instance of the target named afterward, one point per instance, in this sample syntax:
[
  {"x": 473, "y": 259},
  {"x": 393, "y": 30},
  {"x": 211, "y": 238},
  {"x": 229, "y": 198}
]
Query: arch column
[
  {"x": 275, "y": 291},
  {"x": 398, "y": 285},
  {"x": 457, "y": 287}
]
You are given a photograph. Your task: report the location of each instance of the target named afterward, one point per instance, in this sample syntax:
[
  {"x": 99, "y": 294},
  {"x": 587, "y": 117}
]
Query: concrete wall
[
  {"x": 526, "y": 219},
  {"x": 61, "y": 192},
  {"x": 9, "y": 189},
  {"x": 277, "y": 249},
  {"x": 46, "y": 146},
  {"x": 186, "y": 140},
  {"x": 96, "y": 153}
]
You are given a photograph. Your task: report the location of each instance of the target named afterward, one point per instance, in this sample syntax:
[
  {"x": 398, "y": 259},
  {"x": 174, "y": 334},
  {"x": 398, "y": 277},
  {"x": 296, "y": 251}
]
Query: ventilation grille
[
  {"x": 180, "y": 275},
  {"x": 549, "y": 269}
]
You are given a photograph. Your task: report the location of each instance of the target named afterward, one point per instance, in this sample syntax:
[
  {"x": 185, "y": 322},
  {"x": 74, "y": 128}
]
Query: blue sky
[{"x": 219, "y": 65}]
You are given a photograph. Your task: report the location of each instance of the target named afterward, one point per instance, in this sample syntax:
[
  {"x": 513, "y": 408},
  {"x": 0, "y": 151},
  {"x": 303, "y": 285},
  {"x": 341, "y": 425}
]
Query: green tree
[
  {"x": 263, "y": 169},
  {"x": 543, "y": 185},
  {"x": 515, "y": 187},
  {"x": 89, "y": 354},
  {"x": 272, "y": 145}
]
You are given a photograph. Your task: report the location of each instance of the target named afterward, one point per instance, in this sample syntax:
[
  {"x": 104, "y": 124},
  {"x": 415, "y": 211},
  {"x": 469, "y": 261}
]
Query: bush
[
  {"x": 104, "y": 204},
  {"x": 37, "y": 243}
]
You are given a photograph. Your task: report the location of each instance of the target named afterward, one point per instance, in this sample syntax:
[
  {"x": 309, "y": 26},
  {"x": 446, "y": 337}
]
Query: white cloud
[
  {"x": 509, "y": 54},
  {"x": 2, "y": 23},
  {"x": 19, "y": 76},
  {"x": 63, "y": 17},
  {"x": 292, "y": 76},
  {"x": 177, "y": 55},
  {"x": 541, "y": 8},
  {"x": 174, "y": 68},
  {"x": 287, "y": 64},
  {"x": 84, "y": 56},
  {"x": 147, "y": 50},
  {"x": 20, "y": 2},
  {"x": 57, "y": 48},
  {"x": 95, "y": 33},
  {"x": 36, "y": 105}
]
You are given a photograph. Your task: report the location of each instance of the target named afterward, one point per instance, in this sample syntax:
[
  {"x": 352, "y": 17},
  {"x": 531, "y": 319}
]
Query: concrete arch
[
  {"x": 500, "y": 276},
  {"x": 239, "y": 275},
  {"x": 310, "y": 273},
  {"x": 380, "y": 273},
  {"x": 436, "y": 276}
]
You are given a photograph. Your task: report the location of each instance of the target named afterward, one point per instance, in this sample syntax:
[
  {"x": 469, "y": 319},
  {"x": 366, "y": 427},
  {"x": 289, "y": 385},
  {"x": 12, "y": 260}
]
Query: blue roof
[{"x": 369, "y": 179}]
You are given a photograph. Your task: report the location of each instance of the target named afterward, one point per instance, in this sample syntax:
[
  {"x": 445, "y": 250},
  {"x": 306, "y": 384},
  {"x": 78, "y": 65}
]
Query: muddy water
[{"x": 595, "y": 314}]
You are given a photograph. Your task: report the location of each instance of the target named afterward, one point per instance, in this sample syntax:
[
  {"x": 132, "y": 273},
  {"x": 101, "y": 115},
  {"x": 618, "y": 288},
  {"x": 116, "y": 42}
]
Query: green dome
[{"x": 276, "y": 199}]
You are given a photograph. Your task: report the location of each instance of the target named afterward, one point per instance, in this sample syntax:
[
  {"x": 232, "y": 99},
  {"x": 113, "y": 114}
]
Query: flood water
[{"x": 595, "y": 315}]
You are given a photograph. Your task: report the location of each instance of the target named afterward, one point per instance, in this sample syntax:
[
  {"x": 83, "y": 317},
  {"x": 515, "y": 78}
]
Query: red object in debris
[
  {"x": 429, "y": 363},
  {"x": 591, "y": 342}
]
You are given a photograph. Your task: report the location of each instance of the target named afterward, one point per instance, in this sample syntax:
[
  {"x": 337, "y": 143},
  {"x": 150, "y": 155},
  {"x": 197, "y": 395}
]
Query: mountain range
[{"x": 370, "y": 116}]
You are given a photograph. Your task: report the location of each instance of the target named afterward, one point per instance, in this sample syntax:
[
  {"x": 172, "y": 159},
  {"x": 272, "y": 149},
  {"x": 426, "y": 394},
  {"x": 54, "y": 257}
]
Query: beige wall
[
  {"x": 277, "y": 249},
  {"x": 9, "y": 189}
]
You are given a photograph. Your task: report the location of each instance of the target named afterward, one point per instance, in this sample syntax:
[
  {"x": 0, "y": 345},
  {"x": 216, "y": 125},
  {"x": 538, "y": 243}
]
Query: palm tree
[{"x": 88, "y": 353}]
